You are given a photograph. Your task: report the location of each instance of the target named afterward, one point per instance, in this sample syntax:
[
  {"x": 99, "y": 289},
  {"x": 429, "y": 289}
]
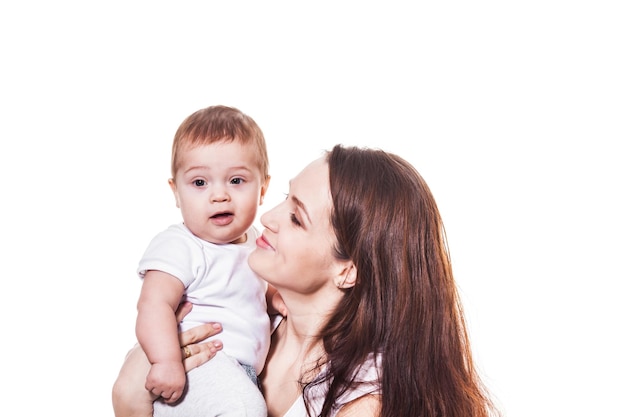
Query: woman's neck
[
  {"x": 299, "y": 333},
  {"x": 296, "y": 350},
  {"x": 307, "y": 314}
]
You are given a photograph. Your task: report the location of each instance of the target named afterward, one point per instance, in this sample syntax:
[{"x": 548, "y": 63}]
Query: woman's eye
[
  {"x": 294, "y": 219},
  {"x": 199, "y": 183}
]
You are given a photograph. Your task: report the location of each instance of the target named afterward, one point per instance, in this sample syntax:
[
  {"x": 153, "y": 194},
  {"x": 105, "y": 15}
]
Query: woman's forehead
[
  {"x": 311, "y": 187},
  {"x": 314, "y": 177}
]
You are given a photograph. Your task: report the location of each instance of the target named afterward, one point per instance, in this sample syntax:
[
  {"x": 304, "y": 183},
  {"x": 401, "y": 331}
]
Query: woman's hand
[{"x": 195, "y": 353}]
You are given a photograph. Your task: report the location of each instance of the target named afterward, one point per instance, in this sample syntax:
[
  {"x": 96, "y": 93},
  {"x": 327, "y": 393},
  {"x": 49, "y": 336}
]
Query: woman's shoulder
[
  {"x": 364, "y": 406},
  {"x": 275, "y": 321},
  {"x": 370, "y": 371},
  {"x": 361, "y": 398}
]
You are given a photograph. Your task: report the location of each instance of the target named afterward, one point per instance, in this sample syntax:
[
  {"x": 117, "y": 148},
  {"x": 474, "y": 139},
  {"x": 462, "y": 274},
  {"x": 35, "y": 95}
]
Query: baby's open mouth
[{"x": 220, "y": 215}]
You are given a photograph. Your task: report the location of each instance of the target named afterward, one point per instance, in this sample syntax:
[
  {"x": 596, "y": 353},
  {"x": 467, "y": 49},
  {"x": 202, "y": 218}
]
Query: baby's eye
[
  {"x": 294, "y": 219},
  {"x": 236, "y": 181},
  {"x": 199, "y": 183}
]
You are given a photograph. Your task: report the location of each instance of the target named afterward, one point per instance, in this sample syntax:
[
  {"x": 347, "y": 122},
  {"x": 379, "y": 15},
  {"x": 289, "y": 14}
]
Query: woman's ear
[
  {"x": 172, "y": 184},
  {"x": 348, "y": 275}
]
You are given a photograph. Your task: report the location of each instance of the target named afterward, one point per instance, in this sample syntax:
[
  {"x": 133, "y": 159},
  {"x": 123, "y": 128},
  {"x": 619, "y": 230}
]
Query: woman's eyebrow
[{"x": 302, "y": 207}]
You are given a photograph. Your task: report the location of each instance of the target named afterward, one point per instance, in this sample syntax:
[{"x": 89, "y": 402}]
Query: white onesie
[{"x": 222, "y": 288}]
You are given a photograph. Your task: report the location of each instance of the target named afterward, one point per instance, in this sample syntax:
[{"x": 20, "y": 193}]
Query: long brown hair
[{"x": 405, "y": 304}]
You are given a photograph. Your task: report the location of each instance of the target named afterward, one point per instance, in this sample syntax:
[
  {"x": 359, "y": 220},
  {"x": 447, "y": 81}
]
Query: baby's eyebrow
[{"x": 241, "y": 168}]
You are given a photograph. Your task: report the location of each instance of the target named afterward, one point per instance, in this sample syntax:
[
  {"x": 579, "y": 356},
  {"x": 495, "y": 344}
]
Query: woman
[{"x": 373, "y": 323}]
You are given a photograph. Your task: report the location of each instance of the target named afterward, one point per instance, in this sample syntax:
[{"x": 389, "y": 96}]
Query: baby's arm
[
  {"x": 130, "y": 398},
  {"x": 157, "y": 333}
]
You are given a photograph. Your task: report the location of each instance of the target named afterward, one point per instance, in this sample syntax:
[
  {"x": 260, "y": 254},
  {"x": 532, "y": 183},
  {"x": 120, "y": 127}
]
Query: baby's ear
[
  {"x": 172, "y": 184},
  {"x": 264, "y": 188}
]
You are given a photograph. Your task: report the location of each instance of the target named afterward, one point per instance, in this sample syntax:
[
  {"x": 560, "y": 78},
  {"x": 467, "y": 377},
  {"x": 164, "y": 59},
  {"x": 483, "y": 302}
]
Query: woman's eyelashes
[
  {"x": 294, "y": 219},
  {"x": 292, "y": 215}
]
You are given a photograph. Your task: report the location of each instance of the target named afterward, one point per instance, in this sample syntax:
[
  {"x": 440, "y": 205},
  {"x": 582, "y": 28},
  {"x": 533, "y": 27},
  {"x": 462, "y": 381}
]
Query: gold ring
[{"x": 186, "y": 351}]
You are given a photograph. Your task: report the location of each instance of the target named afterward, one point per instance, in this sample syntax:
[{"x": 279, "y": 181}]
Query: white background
[{"x": 514, "y": 112}]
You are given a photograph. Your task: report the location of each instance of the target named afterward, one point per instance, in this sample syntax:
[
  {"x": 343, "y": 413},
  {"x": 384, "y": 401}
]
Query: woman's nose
[{"x": 269, "y": 218}]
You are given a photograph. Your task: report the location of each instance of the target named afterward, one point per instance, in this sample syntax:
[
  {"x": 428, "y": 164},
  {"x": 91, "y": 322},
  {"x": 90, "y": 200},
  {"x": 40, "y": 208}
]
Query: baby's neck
[{"x": 241, "y": 239}]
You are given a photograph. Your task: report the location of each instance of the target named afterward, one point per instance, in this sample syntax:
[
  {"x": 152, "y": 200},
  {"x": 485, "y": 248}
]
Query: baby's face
[{"x": 218, "y": 188}]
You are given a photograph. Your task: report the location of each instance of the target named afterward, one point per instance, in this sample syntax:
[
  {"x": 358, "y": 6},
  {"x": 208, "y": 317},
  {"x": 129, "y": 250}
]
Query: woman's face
[{"x": 295, "y": 251}]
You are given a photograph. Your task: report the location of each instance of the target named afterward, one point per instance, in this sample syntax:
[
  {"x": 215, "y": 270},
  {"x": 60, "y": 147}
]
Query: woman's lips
[{"x": 262, "y": 243}]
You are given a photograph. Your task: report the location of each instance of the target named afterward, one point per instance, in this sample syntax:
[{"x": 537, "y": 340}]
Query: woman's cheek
[{"x": 260, "y": 263}]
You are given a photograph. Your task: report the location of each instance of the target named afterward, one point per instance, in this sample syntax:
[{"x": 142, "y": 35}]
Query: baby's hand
[{"x": 167, "y": 380}]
